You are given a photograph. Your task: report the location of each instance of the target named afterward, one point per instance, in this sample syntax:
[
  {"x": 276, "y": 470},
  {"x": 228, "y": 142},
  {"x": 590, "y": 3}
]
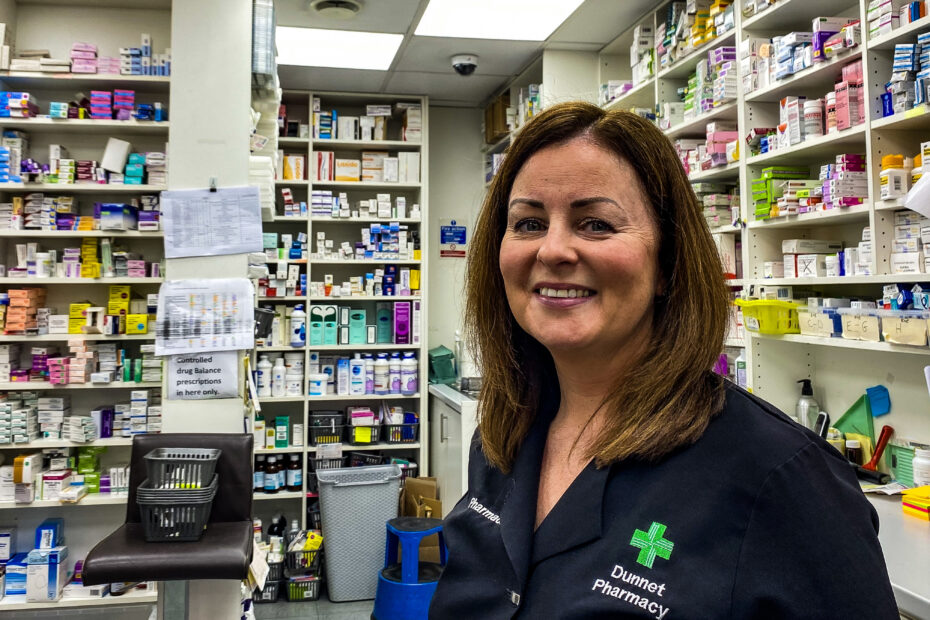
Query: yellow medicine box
[
  {"x": 78, "y": 311},
  {"x": 137, "y": 324},
  {"x": 118, "y": 307},
  {"x": 120, "y": 293},
  {"x": 75, "y": 326}
]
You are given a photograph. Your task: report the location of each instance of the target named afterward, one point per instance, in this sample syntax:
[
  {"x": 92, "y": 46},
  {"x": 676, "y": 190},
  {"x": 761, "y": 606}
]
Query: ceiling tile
[
  {"x": 433, "y": 54},
  {"x": 446, "y": 87},
  {"x": 600, "y": 21},
  {"x": 375, "y": 16},
  {"x": 321, "y": 78}
]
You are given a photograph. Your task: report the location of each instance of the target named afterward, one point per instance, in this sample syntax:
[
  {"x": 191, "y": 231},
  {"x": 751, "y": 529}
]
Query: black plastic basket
[
  {"x": 320, "y": 435},
  {"x": 361, "y": 459},
  {"x": 302, "y": 589},
  {"x": 181, "y": 468},
  {"x": 327, "y": 418},
  {"x": 170, "y": 515},
  {"x": 314, "y": 519},
  {"x": 302, "y": 561},
  {"x": 327, "y": 463},
  {"x": 357, "y": 435},
  {"x": 268, "y": 594},
  {"x": 408, "y": 470},
  {"x": 402, "y": 433},
  {"x": 275, "y": 571}
]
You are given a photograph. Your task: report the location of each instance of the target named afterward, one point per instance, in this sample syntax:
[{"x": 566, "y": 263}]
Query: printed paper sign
[
  {"x": 453, "y": 238},
  {"x": 196, "y": 376}
]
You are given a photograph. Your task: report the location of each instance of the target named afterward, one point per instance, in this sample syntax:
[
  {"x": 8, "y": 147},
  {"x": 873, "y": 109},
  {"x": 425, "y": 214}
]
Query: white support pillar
[{"x": 209, "y": 137}]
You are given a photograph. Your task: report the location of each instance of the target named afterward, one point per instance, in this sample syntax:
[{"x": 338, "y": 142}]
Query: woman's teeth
[{"x": 564, "y": 292}]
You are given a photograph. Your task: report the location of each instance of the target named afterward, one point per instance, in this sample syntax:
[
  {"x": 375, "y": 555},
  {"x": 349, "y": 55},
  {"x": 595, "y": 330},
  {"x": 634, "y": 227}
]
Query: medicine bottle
[
  {"x": 263, "y": 377},
  {"x": 382, "y": 374},
  {"x": 921, "y": 465},
  {"x": 408, "y": 375},
  {"x": 271, "y": 475},
  {"x": 258, "y": 478},
  {"x": 813, "y": 118},
  {"x": 854, "y": 451},
  {"x": 278, "y": 381},
  {"x": 918, "y": 170},
  {"x": 294, "y": 479},
  {"x": 894, "y": 179}
]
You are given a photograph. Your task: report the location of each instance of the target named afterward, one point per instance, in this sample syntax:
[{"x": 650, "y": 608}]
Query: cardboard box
[{"x": 420, "y": 498}]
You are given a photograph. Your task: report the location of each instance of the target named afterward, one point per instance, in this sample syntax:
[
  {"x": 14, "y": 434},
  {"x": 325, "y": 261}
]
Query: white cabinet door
[{"x": 446, "y": 451}]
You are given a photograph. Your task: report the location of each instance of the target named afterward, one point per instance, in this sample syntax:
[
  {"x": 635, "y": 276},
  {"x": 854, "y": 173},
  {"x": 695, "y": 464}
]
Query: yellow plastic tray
[{"x": 770, "y": 316}]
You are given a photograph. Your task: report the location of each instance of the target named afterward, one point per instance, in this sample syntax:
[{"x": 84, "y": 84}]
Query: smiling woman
[{"x": 613, "y": 474}]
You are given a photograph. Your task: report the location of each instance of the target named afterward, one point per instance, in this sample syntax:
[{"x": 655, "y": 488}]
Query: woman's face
[{"x": 579, "y": 256}]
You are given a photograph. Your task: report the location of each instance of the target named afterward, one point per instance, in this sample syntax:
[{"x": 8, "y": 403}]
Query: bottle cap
[{"x": 852, "y": 443}]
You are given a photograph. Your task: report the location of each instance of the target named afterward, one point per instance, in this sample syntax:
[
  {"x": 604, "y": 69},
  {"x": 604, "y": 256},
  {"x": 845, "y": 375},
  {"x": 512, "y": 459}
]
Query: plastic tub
[
  {"x": 820, "y": 322},
  {"x": 268, "y": 594},
  {"x": 355, "y": 503},
  {"x": 769, "y": 316},
  {"x": 363, "y": 435},
  {"x": 175, "y": 516},
  {"x": 905, "y": 326},
  {"x": 181, "y": 468},
  {"x": 320, "y": 435},
  {"x": 362, "y": 459},
  {"x": 401, "y": 433},
  {"x": 303, "y": 561},
  {"x": 302, "y": 589},
  {"x": 861, "y": 324}
]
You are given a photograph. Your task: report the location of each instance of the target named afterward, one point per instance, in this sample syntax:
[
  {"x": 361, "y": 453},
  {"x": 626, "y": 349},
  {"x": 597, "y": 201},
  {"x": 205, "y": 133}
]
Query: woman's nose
[{"x": 558, "y": 246}]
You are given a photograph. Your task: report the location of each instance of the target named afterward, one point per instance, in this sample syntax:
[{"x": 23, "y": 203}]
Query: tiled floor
[{"x": 322, "y": 609}]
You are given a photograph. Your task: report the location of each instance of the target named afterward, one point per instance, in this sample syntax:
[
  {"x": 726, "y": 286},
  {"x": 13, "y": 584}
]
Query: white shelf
[
  {"x": 734, "y": 342},
  {"x": 291, "y": 182},
  {"x": 366, "y": 298},
  {"x": 720, "y": 173},
  {"x": 895, "y": 204},
  {"x": 733, "y": 282},
  {"x": 278, "y": 495},
  {"x": 729, "y": 228},
  {"x": 915, "y": 118},
  {"x": 91, "y": 499},
  {"x": 341, "y": 397},
  {"x": 842, "y": 343},
  {"x": 45, "y": 385},
  {"x": 281, "y": 399},
  {"x": 282, "y": 347},
  {"x": 907, "y": 33},
  {"x": 813, "y": 149},
  {"x": 497, "y": 146},
  {"x": 841, "y": 280},
  {"x": 289, "y": 450},
  {"x": 287, "y": 298},
  {"x": 27, "y": 80},
  {"x": 820, "y": 76},
  {"x": 289, "y": 218},
  {"x": 681, "y": 68},
  {"x": 698, "y": 126},
  {"x": 364, "y": 347},
  {"x": 355, "y": 220},
  {"x": 347, "y": 447},
  {"x": 82, "y": 188},
  {"x": 291, "y": 141},
  {"x": 640, "y": 96},
  {"x": 373, "y": 261},
  {"x": 815, "y": 218},
  {"x": 321, "y": 145},
  {"x": 786, "y": 15},
  {"x": 365, "y": 185},
  {"x": 68, "y": 234},
  {"x": 39, "y": 444},
  {"x": 40, "y": 281},
  {"x": 17, "y": 602},
  {"x": 85, "y": 125},
  {"x": 68, "y": 337}
]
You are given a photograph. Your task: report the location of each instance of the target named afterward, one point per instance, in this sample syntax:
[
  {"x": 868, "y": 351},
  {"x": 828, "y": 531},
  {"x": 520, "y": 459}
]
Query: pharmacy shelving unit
[
  {"x": 110, "y": 26},
  {"x": 298, "y": 408},
  {"x": 840, "y": 369}
]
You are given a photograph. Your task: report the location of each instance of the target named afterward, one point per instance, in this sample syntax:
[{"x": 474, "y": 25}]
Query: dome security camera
[{"x": 465, "y": 64}]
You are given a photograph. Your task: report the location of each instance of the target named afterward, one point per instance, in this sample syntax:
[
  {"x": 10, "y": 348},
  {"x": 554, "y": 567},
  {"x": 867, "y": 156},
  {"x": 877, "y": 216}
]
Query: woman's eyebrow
[
  {"x": 527, "y": 201},
  {"x": 581, "y": 202}
]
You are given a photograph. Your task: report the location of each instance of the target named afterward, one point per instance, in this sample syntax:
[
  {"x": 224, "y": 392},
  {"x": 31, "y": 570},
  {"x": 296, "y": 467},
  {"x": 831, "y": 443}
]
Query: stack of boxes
[
  {"x": 884, "y": 16},
  {"x": 101, "y": 104},
  {"x": 690, "y": 151},
  {"x": 83, "y": 58},
  {"x": 52, "y": 412},
  {"x": 58, "y": 109},
  {"x": 83, "y": 361},
  {"x": 9, "y": 358},
  {"x": 767, "y": 189},
  {"x": 123, "y": 103},
  {"x": 130, "y": 61},
  {"x": 19, "y": 422},
  {"x": 720, "y": 146},
  {"x": 641, "y": 53},
  {"x": 807, "y": 258},
  {"x": 754, "y": 59},
  {"x": 850, "y": 97},
  {"x": 21, "y": 315},
  {"x": 17, "y": 144},
  {"x": 15, "y": 104},
  {"x": 720, "y": 203},
  {"x": 5, "y": 157},
  {"x": 373, "y": 166},
  {"x": 413, "y": 122},
  {"x": 910, "y": 76},
  {"x": 109, "y": 65},
  {"x": 911, "y": 231},
  {"x": 134, "y": 173},
  {"x": 67, "y": 169},
  {"x": 845, "y": 182},
  {"x": 721, "y": 17},
  {"x": 152, "y": 365},
  {"x": 722, "y": 62},
  {"x": 699, "y": 94}
]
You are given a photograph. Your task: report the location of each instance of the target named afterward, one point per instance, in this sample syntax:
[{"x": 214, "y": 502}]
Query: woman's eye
[
  {"x": 598, "y": 226},
  {"x": 528, "y": 226}
]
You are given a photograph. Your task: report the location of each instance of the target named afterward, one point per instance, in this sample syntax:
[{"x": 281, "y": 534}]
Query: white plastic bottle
[
  {"x": 357, "y": 375},
  {"x": 369, "y": 373},
  {"x": 921, "y": 464},
  {"x": 264, "y": 377},
  {"x": 394, "y": 366},
  {"x": 741, "y": 370},
  {"x": 408, "y": 375},
  {"x": 382, "y": 374},
  {"x": 278, "y": 378},
  {"x": 298, "y": 326}
]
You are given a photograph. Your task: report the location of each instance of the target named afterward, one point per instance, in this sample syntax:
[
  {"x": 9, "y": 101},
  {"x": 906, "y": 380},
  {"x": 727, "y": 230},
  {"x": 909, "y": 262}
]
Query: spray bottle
[
  {"x": 741, "y": 370},
  {"x": 807, "y": 408}
]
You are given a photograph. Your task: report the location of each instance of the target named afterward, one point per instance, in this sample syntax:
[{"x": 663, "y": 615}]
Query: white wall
[{"x": 456, "y": 189}]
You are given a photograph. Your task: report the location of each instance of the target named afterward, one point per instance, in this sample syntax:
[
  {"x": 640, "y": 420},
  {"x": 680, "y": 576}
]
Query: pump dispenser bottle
[{"x": 807, "y": 408}]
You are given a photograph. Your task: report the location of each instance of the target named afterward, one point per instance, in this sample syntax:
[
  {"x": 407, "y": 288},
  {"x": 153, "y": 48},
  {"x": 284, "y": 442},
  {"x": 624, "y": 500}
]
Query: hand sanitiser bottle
[
  {"x": 741, "y": 370},
  {"x": 807, "y": 408}
]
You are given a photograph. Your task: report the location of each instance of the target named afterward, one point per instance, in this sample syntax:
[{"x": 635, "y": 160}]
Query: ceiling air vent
[{"x": 336, "y": 9}]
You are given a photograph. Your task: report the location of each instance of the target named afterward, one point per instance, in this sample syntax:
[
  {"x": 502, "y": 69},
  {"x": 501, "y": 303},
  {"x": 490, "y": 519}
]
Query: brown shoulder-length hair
[{"x": 666, "y": 400}]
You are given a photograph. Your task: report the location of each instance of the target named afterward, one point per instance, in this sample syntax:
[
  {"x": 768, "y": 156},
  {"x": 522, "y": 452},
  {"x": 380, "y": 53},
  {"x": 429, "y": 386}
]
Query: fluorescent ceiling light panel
[
  {"x": 340, "y": 49},
  {"x": 514, "y": 20}
]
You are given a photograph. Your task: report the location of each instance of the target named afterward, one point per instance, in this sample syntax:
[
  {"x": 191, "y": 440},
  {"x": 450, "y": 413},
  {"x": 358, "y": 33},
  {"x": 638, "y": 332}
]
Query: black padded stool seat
[
  {"x": 414, "y": 524},
  {"x": 427, "y": 572},
  {"x": 224, "y": 551}
]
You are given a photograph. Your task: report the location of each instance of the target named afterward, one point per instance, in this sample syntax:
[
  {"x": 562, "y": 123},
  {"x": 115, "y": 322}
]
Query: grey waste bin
[{"x": 355, "y": 504}]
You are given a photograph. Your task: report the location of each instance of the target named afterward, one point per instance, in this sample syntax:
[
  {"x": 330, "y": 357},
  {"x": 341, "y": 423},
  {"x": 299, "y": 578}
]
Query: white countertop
[
  {"x": 450, "y": 395},
  {"x": 906, "y": 545}
]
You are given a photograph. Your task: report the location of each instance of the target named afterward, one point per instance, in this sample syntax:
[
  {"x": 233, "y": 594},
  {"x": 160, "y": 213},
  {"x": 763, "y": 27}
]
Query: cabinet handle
[{"x": 442, "y": 428}]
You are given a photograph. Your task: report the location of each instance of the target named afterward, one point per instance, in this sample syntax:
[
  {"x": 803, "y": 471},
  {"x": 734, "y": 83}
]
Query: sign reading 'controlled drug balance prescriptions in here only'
[{"x": 197, "y": 376}]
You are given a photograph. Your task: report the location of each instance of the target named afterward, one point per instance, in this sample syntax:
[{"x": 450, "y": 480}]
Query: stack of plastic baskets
[
  {"x": 176, "y": 498},
  {"x": 269, "y": 594},
  {"x": 356, "y": 502},
  {"x": 303, "y": 568}
]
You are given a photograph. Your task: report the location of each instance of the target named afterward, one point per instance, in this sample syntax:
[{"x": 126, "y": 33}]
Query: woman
[{"x": 613, "y": 475}]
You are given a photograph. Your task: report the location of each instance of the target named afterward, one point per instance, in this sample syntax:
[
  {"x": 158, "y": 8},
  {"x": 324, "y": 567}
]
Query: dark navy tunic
[{"x": 758, "y": 519}]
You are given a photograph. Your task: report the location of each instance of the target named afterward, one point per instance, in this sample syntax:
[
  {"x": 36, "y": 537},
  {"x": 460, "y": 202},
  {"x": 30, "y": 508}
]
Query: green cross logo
[{"x": 651, "y": 544}]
